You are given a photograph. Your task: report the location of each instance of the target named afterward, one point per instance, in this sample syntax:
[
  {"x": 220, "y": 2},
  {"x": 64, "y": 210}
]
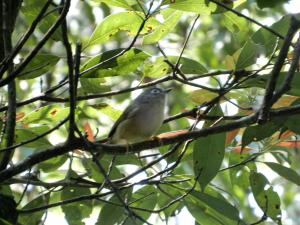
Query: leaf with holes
[
  {"x": 46, "y": 115},
  {"x": 171, "y": 18},
  {"x": 267, "y": 199},
  {"x": 259, "y": 132},
  {"x": 116, "y": 22}
]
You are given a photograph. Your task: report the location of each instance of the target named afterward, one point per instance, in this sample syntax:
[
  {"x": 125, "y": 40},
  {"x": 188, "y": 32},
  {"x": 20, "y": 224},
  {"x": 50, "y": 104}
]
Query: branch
[
  {"x": 137, "y": 147},
  {"x": 248, "y": 18},
  {"x": 72, "y": 85},
  {"x": 271, "y": 85},
  {"x": 38, "y": 47},
  {"x": 45, "y": 97},
  {"x": 286, "y": 86},
  {"x": 184, "y": 46},
  {"x": 23, "y": 40},
  {"x": 7, "y": 28}
]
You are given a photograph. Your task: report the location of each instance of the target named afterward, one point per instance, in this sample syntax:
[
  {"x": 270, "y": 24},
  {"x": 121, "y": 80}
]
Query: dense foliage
[{"x": 227, "y": 152}]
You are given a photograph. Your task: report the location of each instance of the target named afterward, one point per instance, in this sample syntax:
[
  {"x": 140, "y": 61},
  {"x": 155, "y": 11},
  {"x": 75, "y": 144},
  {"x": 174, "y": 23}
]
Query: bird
[{"x": 141, "y": 119}]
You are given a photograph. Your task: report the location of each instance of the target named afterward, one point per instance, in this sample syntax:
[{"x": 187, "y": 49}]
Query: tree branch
[
  {"x": 38, "y": 47},
  {"x": 7, "y": 28},
  {"x": 271, "y": 85},
  {"x": 4, "y": 64}
]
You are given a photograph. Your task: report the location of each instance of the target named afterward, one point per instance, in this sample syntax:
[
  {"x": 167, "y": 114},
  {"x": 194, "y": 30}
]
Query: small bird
[{"x": 141, "y": 119}]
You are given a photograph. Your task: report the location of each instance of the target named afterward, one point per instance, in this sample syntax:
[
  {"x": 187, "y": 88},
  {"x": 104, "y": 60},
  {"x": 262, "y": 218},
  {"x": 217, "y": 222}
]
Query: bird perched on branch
[{"x": 141, "y": 119}]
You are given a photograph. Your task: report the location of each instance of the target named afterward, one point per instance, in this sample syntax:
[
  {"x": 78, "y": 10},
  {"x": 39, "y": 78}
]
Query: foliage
[{"x": 228, "y": 156}]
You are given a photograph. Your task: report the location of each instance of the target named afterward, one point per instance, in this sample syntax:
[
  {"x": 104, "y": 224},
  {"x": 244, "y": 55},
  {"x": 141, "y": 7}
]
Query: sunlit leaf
[
  {"x": 159, "y": 67},
  {"x": 119, "y": 3},
  {"x": 94, "y": 85},
  {"x": 171, "y": 18},
  {"x": 122, "y": 65},
  {"x": 196, "y": 6},
  {"x": 24, "y": 134},
  {"x": 201, "y": 96},
  {"x": 32, "y": 8},
  {"x": 116, "y": 22},
  {"x": 48, "y": 114}
]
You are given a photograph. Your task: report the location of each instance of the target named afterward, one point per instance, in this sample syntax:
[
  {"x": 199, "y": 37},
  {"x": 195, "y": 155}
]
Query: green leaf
[
  {"x": 201, "y": 215},
  {"x": 293, "y": 123},
  {"x": 24, "y": 134},
  {"x": 270, "y": 4},
  {"x": 35, "y": 217},
  {"x": 48, "y": 114},
  {"x": 261, "y": 81},
  {"x": 239, "y": 175},
  {"x": 119, "y": 213},
  {"x": 208, "y": 155},
  {"x": 259, "y": 132},
  {"x": 122, "y": 65},
  {"x": 201, "y": 96},
  {"x": 266, "y": 41},
  {"x": 52, "y": 164},
  {"x": 234, "y": 23},
  {"x": 247, "y": 56},
  {"x": 145, "y": 198},
  {"x": 94, "y": 173},
  {"x": 4, "y": 222},
  {"x": 196, "y": 6},
  {"x": 267, "y": 199},
  {"x": 76, "y": 212},
  {"x": 94, "y": 85},
  {"x": 159, "y": 68},
  {"x": 41, "y": 64},
  {"x": 127, "y": 4},
  {"x": 220, "y": 205},
  {"x": 116, "y": 22},
  {"x": 171, "y": 18},
  {"x": 285, "y": 172},
  {"x": 32, "y": 8}
]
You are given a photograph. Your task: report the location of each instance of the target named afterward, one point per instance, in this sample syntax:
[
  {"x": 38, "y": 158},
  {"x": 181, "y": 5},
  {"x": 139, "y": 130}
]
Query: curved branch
[{"x": 38, "y": 47}]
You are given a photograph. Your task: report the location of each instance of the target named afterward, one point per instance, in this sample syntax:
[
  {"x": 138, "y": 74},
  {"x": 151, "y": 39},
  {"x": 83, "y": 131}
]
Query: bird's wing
[{"x": 129, "y": 112}]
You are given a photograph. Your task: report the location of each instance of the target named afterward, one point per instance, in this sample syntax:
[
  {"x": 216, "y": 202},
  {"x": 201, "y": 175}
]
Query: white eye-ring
[{"x": 155, "y": 91}]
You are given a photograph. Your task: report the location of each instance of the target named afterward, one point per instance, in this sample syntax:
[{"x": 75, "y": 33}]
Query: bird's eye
[{"x": 155, "y": 91}]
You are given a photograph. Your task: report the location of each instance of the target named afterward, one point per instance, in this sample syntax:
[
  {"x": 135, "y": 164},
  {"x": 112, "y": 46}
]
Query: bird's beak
[{"x": 168, "y": 90}]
